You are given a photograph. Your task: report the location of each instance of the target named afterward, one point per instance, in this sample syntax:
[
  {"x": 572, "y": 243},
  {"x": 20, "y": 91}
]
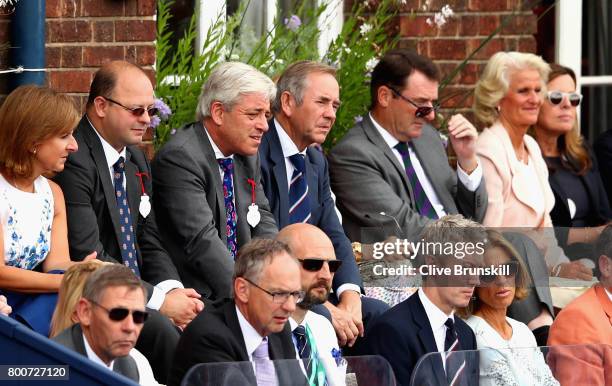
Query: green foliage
[{"x": 180, "y": 75}]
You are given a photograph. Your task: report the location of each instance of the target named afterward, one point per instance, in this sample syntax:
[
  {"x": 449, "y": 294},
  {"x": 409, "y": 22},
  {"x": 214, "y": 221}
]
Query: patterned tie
[
  {"x": 303, "y": 346},
  {"x": 264, "y": 367},
  {"x": 299, "y": 205},
  {"x": 227, "y": 164},
  {"x": 455, "y": 361},
  {"x": 128, "y": 248},
  {"x": 422, "y": 202}
]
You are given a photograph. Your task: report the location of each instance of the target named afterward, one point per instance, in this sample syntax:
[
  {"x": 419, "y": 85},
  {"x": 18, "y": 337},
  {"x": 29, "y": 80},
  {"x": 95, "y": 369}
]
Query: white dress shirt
[
  {"x": 436, "y": 318},
  {"x": 112, "y": 156},
  {"x": 470, "y": 181},
  {"x": 289, "y": 149}
]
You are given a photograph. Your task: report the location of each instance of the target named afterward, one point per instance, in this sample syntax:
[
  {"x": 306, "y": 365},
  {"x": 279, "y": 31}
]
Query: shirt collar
[
  {"x": 389, "y": 139},
  {"x": 218, "y": 153},
  {"x": 93, "y": 356},
  {"x": 111, "y": 155},
  {"x": 436, "y": 317},
  {"x": 287, "y": 144},
  {"x": 252, "y": 339}
]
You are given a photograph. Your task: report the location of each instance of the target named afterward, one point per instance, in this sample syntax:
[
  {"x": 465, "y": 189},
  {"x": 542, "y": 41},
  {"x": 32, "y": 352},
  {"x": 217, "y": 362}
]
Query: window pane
[
  {"x": 595, "y": 113},
  {"x": 596, "y": 38},
  {"x": 181, "y": 11}
]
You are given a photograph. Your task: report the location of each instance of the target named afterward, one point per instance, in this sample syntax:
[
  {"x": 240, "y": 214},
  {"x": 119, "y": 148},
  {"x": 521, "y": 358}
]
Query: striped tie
[
  {"x": 455, "y": 361},
  {"x": 299, "y": 205},
  {"x": 422, "y": 202}
]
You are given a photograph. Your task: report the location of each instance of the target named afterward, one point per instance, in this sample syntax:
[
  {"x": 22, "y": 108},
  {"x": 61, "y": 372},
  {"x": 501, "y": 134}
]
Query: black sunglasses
[
  {"x": 556, "y": 97},
  {"x": 421, "y": 111},
  {"x": 136, "y": 111},
  {"x": 120, "y": 313},
  {"x": 315, "y": 265},
  {"x": 510, "y": 268}
]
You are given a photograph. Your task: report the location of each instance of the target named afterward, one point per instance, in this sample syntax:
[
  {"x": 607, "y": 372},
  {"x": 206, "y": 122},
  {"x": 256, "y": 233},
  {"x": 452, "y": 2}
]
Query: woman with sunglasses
[
  {"x": 580, "y": 197},
  {"x": 509, "y": 353},
  {"x": 36, "y": 127}
]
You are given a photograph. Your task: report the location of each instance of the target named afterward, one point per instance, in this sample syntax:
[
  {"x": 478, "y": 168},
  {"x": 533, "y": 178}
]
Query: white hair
[{"x": 228, "y": 82}]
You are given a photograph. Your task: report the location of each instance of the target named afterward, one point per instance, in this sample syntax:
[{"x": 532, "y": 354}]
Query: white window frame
[{"x": 209, "y": 10}]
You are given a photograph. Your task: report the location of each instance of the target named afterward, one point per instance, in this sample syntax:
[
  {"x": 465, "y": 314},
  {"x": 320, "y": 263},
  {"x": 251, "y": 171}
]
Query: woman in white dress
[
  {"x": 511, "y": 356},
  {"x": 36, "y": 125}
]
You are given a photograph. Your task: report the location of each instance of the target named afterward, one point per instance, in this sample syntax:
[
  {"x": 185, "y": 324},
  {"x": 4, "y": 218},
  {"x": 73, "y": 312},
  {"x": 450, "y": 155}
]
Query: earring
[
  {"x": 498, "y": 109},
  {"x": 34, "y": 151}
]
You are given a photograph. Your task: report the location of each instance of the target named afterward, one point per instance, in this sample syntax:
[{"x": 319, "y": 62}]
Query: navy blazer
[
  {"x": 403, "y": 335},
  {"x": 323, "y": 212}
]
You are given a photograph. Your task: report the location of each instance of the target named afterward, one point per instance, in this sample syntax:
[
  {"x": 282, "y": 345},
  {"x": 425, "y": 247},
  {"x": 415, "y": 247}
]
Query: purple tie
[{"x": 264, "y": 367}]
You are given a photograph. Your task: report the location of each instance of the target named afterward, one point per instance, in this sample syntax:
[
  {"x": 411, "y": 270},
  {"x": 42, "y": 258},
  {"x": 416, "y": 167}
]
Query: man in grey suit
[
  {"x": 209, "y": 201},
  {"x": 111, "y": 314},
  {"x": 391, "y": 169}
]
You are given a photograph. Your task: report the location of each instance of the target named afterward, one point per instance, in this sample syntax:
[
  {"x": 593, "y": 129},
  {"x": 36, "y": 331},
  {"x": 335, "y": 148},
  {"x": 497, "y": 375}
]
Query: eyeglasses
[
  {"x": 136, "y": 111},
  {"x": 421, "y": 111},
  {"x": 280, "y": 297},
  {"x": 556, "y": 97},
  {"x": 510, "y": 269},
  {"x": 120, "y": 313},
  {"x": 315, "y": 265}
]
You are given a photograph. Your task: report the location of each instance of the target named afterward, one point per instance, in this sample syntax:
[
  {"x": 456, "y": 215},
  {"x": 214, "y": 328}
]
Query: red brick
[
  {"x": 527, "y": 44},
  {"x": 490, "y": 48},
  {"x": 454, "y": 97},
  {"x": 103, "y": 31},
  {"x": 53, "y": 8},
  {"x": 470, "y": 74},
  {"x": 451, "y": 28},
  {"x": 147, "y": 7},
  {"x": 408, "y": 7},
  {"x": 416, "y": 27},
  {"x": 53, "y": 56},
  {"x": 70, "y": 81},
  {"x": 469, "y": 25},
  {"x": 487, "y": 24},
  {"x": 145, "y": 55},
  {"x": 68, "y": 31},
  {"x": 4, "y": 30},
  {"x": 521, "y": 24},
  {"x": 488, "y": 5},
  {"x": 72, "y": 8},
  {"x": 97, "y": 56},
  {"x": 455, "y": 5},
  {"x": 134, "y": 30},
  {"x": 447, "y": 49},
  {"x": 150, "y": 73},
  {"x": 130, "y": 54},
  {"x": 103, "y": 8},
  {"x": 72, "y": 56}
]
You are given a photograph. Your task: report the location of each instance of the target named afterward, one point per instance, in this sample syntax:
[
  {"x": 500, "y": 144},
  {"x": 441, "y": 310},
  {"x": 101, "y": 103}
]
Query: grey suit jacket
[
  {"x": 190, "y": 209},
  {"x": 368, "y": 179},
  {"x": 72, "y": 338}
]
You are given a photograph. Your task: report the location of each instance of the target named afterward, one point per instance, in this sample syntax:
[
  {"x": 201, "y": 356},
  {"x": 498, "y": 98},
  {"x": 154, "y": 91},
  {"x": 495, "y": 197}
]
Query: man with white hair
[{"x": 206, "y": 179}]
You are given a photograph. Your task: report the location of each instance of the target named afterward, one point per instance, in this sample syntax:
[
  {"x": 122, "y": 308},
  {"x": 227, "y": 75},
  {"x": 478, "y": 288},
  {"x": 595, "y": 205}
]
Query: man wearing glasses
[
  {"x": 111, "y": 314},
  {"x": 392, "y": 168},
  {"x": 108, "y": 192},
  {"x": 254, "y": 325}
]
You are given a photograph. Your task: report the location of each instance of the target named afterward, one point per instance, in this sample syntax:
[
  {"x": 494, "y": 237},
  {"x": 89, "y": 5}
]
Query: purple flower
[
  {"x": 337, "y": 355},
  {"x": 293, "y": 23},
  {"x": 358, "y": 118},
  {"x": 164, "y": 110},
  {"x": 155, "y": 121}
]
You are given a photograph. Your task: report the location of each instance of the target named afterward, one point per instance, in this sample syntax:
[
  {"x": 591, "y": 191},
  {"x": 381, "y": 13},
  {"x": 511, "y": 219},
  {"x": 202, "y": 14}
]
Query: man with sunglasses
[
  {"x": 313, "y": 335},
  {"x": 108, "y": 192},
  {"x": 394, "y": 162},
  {"x": 253, "y": 326},
  {"x": 111, "y": 314}
]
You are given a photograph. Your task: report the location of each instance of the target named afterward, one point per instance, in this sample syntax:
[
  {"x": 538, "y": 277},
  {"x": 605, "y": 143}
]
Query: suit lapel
[
  {"x": 431, "y": 166},
  {"x": 132, "y": 185},
  {"x": 97, "y": 153},
  {"x": 231, "y": 318},
  {"x": 426, "y": 338},
  {"x": 78, "y": 339},
  {"x": 313, "y": 184},
  {"x": 280, "y": 175}
]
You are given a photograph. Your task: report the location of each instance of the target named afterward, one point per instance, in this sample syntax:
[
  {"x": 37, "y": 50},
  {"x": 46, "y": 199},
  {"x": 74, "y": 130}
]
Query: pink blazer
[{"x": 510, "y": 191}]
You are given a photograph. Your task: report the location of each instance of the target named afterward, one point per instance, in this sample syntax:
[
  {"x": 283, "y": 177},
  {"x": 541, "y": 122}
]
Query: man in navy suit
[
  {"x": 295, "y": 179},
  {"x": 425, "y": 322}
]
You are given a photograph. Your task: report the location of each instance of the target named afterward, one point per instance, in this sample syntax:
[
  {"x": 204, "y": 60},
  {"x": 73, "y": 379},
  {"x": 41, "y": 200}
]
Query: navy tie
[
  {"x": 227, "y": 164},
  {"x": 127, "y": 245},
  {"x": 455, "y": 360},
  {"x": 299, "y": 205},
  {"x": 303, "y": 347},
  {"x": 422, "y": 202}
]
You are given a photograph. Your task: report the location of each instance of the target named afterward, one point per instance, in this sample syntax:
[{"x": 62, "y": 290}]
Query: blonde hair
[
  {"x": 70, "y": 291},
  {"x": 495, "y": 81}
]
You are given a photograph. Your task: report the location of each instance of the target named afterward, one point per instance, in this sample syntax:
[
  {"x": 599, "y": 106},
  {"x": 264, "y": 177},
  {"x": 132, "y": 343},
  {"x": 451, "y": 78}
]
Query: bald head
[
  {"x": 106, "y": 78},
  {"x": 307, "y": 241}
]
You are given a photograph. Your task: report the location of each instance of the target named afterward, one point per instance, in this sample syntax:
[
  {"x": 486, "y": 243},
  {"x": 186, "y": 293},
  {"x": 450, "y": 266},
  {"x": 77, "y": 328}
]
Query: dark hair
[
  {"x": 394, "y": 68},
  {"x": 603, "y": 246},
  {"x": 253, "y": 256},
  {"x": 105, "y": 79},
  {"x": 113, "y": 275}
]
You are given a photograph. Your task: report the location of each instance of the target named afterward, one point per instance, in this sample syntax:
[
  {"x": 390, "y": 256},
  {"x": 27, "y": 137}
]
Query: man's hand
[
  {"x": 181, "y": 305},
  {"x": 575, "y": 270},
  {"x": 463, "y": 137},
  {"x": 346, "y": 318},
  {"x": 5, "y": 309}
]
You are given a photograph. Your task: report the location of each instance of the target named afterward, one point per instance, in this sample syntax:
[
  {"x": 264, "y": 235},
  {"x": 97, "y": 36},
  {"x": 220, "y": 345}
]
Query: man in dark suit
[
  {"x": 111, "y": 314},
  {"x": 207, "y": 179},
  {"x": 603, "y": 151},
  {"x": 391, "y": 168},
  {"x": 425, "y": 322},
  {"x": 254, "y": 325},
  {"x": 107, "y": 188},
  {"x": 295, "y": 179}
]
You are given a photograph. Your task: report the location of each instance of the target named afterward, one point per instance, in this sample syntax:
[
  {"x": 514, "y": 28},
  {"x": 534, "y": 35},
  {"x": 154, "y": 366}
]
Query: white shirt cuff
[
  {"x": 160, "y": 291},
  {"x": 347, "y": 286},
  {"x": 470, "y": 181}
]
